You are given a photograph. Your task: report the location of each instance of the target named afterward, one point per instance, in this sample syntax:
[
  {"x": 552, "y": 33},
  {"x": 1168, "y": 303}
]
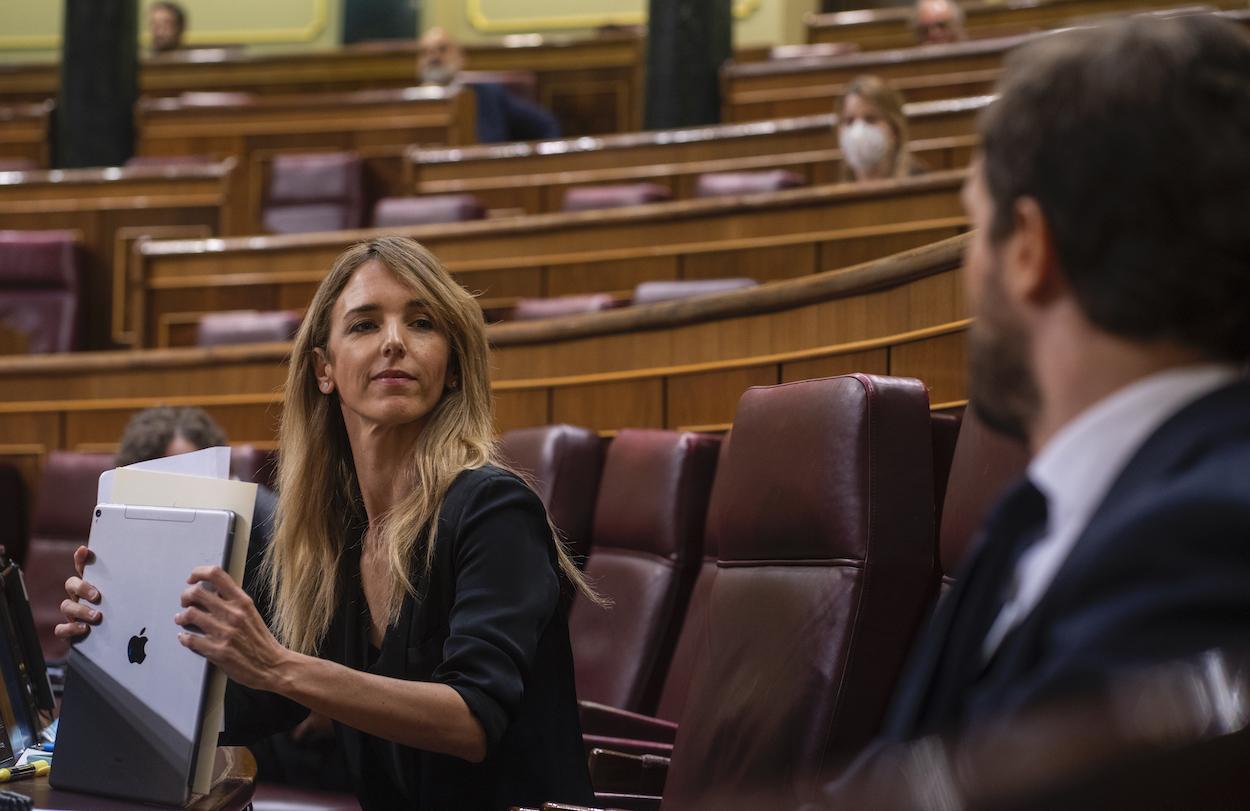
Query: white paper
[{"x": 213, "y": 463}]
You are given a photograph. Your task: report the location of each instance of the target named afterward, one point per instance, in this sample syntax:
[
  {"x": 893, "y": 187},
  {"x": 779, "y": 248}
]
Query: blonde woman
[
  {"x": 872, "y": 132},
  {"x": 414, "y": 587}
]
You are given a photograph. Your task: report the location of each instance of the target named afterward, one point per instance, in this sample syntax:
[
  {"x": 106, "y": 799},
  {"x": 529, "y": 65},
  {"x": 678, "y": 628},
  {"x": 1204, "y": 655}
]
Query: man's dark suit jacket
[
  {"x": 1161, "y": 572},
  {"x": 502, "y": 117}
]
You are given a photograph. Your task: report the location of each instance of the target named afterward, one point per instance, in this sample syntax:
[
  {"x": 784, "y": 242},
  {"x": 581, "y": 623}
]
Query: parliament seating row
[
  {"x": 676, "y": 364},
  {"x": 592, "y": 85},
  {"x": 765, "y": 237},
  {"x": 884, "y": 28}
]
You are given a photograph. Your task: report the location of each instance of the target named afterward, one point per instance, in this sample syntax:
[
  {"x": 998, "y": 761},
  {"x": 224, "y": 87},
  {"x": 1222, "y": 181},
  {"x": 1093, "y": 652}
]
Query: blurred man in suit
[
  {"x": 501, "y": 115},
  {"x": 1109, "y": 277},
  {"x": 935, "y": 22},
  {"x": 166, "y": 24}
]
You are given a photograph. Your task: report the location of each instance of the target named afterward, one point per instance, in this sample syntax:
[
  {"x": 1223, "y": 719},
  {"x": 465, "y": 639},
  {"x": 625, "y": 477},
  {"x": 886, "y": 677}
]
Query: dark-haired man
[
  {"x": 166, "y": 23},
  {"x": 1109, "y": 277}
]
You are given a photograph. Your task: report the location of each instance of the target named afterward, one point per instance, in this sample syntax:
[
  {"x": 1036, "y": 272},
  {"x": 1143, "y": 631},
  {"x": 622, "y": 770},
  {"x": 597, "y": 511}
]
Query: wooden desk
[
  {"x": 377, "y": 124},
  {"x": 534, "y": 177},
  {"x": 234, "y": 781},
  {"x": 24, "y": 131},
  {"x": 592, "y": 85},
  {"x": 877, "y": 29}
]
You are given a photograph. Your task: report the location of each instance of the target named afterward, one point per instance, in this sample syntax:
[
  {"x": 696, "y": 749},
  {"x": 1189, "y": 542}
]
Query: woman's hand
[
  {"x": 79, "y": 617},
  {"x": 234, "y": 637}
]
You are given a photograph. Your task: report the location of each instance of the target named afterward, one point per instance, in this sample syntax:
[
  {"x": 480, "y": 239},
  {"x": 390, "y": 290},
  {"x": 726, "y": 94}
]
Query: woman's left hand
[{"x": 235, "y": 637}]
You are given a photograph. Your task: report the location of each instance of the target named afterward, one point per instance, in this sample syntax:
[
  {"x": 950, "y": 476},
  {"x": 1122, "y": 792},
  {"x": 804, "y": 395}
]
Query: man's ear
[
  {"x": 1032, "y": 268},
  {"x": 323, "y": 370}
]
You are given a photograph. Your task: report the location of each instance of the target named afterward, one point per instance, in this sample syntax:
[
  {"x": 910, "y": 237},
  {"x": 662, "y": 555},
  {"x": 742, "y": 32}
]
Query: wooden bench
[
  {"x": 765, "y": 237},
  {"x": 111, "y": 209},
  {"x": 676, "y": 365},
  {"x": 882, "y": 28},
  {"x": 534, "y": 177},
  {"x": 376, "y": 124},
  {"x": 592, "y": 85}
]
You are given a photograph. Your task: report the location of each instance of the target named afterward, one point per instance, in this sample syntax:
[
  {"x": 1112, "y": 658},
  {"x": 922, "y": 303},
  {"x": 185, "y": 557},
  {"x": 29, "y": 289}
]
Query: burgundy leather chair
[
  {"x": 651, "y": 292},
  {"x": 648, "y": 532},
  {"x": 533, "y": 309},
  {"x": 17, "y": 165},
  {"x": 564, "y": 464},
  {"x": 588, "y": 198},
  {"x": 62, "y": 521},
  {"x": 431, "y": 209},
  {"x": 247, "y": 327},
  {"x": 727, "y": 184},
  {"x": 14, "y": 520},
  {"x": 251, "y": 464},
  {"x": 984, "y": 464},
  {"x": 322, "y": 191},
  {"x": 275, "y": 797},
  {"x": 40, "y": 288}
]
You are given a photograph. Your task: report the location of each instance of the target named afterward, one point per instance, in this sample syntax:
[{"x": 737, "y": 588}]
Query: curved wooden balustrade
[
  {"x": 766, "y": 237},
  {"x": 674, "y": 364}
]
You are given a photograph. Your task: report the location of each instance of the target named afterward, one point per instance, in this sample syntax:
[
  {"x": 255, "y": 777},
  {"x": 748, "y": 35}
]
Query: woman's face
[
  {"x": 387, "y": 360},
  {"x": 857, "y": 108},
  {"x": 866, "y": 138}
]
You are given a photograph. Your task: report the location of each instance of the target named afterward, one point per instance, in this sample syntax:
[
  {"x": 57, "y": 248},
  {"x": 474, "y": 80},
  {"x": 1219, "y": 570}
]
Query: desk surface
[{"x": 235, "y": 777}]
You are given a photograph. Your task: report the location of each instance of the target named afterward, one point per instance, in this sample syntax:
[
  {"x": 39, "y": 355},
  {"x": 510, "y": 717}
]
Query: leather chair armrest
[
  {"x": 619, "y": 772},
  {"x": 629, "y": 746},
  {"x": 628, "y": 802},
  {"x": 600, "y": 719}
]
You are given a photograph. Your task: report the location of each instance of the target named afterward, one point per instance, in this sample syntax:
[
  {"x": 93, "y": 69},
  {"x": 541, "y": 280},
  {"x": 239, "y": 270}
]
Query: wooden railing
[{"x": 676, "y": 364}]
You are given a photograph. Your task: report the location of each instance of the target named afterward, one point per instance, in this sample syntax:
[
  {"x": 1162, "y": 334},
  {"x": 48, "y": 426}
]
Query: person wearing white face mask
[{"x": 872, "y": 132}]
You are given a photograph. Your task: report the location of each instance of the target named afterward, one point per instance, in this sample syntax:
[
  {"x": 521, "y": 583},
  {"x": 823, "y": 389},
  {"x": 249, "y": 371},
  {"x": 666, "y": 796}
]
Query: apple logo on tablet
[{"x": 136, "y": 651}]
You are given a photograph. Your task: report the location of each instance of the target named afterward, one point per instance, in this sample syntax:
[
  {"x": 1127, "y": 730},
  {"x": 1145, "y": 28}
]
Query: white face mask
[{"x": 864, "y": 145}]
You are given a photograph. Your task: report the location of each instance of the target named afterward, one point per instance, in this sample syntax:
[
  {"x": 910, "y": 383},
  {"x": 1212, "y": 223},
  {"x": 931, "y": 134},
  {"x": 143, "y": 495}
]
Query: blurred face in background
[
  {"x": 439, "y": 58},
  {"x": 936, "y": 22},
  {"x": 867, "y": 140},
  {"x": 164, "y": 28}
]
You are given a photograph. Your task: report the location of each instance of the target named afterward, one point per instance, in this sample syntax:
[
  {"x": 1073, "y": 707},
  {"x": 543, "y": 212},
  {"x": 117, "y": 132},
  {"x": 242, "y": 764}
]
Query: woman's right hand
[{"x": 79, "y": 617}]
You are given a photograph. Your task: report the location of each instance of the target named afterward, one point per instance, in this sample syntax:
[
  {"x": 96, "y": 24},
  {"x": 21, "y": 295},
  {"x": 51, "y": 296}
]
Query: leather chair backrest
[
  {"x": 532, "y": 309},
  {"x": 430, "y": 209},
  {"x": 320, "y": 191},
  {"x": 62, "y": 521},
  {"x": 692, "y": 639},
  {"x": 14, "y": 513},
  {"x": 651, "y": 292},
  {"x": 825, "y": 525},
  {"x": 251, "y": 464},
  {"x": 984, "y": 465},
  {"x": 648, "y": 533},
  {"x": 247, "y": 327},
  {"x": 726, "y": 184},
  {"x": 564, "y": 464},
  {"x": 945, "y": 428},
  {"x": 40, "y": 288},
  {"x": 588, "y": 198}
]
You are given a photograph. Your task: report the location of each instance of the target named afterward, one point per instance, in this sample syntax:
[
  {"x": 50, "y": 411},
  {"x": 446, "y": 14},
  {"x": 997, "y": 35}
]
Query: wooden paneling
[
  {"x": 607, "y": 406},
  {"x": 178, "y": 278},
  {"x": 873, "y": 361},
  {"x": 940, "y": 362},
  {"x": 711, "y": 397},
  {"x": 109, "y": 209},
  {"x": 24, "y": 131}
]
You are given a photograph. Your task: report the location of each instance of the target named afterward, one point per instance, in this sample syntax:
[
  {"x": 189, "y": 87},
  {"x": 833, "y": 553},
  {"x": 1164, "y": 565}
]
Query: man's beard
[
  {"x": 440, "y": 74},
  {"x": 1002, "y": 387}
]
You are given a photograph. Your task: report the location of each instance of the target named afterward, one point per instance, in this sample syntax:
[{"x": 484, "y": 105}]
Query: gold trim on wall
[
  {"x": 480, "y": 21},
  {"x": 316, "y": 25}
]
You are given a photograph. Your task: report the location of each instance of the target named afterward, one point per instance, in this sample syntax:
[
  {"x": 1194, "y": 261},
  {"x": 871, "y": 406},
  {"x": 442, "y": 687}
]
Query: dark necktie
[{"x": 979, "y": 595}]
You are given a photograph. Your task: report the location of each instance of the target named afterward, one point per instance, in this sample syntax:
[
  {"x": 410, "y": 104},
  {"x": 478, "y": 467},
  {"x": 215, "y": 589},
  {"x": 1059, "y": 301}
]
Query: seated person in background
[
  {"x": 872, "y": 132},
  {"x": 501, "y": 116},
  {"x": 1109, "y": 278},
  {"x": 415, "y": 586},
  {"x": 166, "y": 23},
  {"x": 936, "y": 22}
]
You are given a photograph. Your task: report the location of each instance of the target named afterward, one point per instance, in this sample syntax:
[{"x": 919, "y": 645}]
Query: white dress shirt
[{"x": 1076, "y": 468}]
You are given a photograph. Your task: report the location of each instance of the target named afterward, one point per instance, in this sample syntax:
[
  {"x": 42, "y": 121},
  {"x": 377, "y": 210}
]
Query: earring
[
  {"x": 452, "y": 384},
  {"x": 325, "y": 388}
]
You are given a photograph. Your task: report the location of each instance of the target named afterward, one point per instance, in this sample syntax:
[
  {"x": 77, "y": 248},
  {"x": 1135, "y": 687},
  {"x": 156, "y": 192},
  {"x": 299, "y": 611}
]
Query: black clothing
[
  {"x": 487, "y": 623},
  {"x": 502, "y": 116}
]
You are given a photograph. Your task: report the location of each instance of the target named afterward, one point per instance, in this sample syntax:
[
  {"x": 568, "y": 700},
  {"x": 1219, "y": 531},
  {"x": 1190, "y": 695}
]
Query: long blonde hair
[
  {"x": 877, "y": 92},
  {"x": 319, "y": 502}
]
